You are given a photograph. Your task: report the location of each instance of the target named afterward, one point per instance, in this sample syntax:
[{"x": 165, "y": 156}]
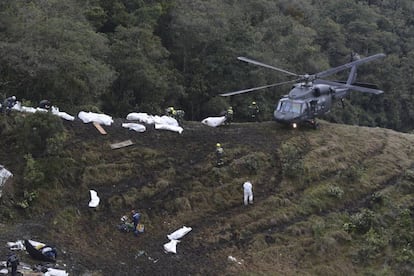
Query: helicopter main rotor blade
[
  {"x": 348, "y": 65},
  {"x": 248, "y": 60},
  {"x": 254, "y": 89},
  {"x": 350, "y": 86},
  {"x": 364, "y": 89}
]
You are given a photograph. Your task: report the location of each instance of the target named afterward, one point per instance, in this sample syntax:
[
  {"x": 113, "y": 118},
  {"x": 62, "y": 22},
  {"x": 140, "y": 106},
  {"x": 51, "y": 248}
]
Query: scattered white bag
[
  {"x": 178, "y": 234},
  {"x": 64, "y": 115},
  {"x": 169, "y": 127},
  {"x": 214, "y": 121},
  {"x": 55, "y": 272},
  {"x": 94, "y": 199},
  {"x": 133, "y": 126},
  {"x": 102, "y": 119},
  {"x": 165, "y": 120},
  {"x": 171, "y": 246},
  {"x": 4, "y": 175},
  {"x": 141, "y": 117}
]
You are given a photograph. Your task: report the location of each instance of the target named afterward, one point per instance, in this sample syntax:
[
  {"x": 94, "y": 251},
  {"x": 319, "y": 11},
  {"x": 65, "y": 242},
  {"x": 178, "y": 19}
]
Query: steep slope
[{"x": 326, "y": 201}]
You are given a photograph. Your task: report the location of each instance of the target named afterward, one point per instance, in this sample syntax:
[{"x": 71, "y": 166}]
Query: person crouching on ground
[{"x": 136, "y": 217}]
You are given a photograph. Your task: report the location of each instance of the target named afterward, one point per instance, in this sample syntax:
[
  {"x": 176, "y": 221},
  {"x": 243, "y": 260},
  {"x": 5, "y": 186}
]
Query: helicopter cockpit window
[{"x": 292, "y": 107}]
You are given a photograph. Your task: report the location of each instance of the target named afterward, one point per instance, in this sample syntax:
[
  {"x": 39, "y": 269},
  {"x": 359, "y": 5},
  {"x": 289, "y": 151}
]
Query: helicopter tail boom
[{"x": 338, "y": 85}]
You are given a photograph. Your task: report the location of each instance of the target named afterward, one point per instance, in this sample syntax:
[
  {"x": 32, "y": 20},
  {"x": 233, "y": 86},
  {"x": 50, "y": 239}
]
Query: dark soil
[{"x": 102, "y": 250}]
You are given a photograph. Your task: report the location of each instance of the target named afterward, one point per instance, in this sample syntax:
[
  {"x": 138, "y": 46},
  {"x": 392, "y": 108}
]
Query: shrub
[
  {"x": 32, "y": 172},
  {"x": 292, "y": 161},
  {"x": 250, "y": 163},
  {"x": 352, "y": 174},
  {"x": 36, "y": 130},
  {"x": 28, "y": 197},
  {"x": 361, "y": 222},
  {"x": 335, "y": 191},
  {"x": 371, "y": 247}
]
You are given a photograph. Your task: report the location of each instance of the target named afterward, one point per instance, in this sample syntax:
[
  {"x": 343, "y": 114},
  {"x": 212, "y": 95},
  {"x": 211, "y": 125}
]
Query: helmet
[
  {"x": 253, "y": 102},
  {"x": 218, "y": 145},
  {"x": 13, "y": 98}
]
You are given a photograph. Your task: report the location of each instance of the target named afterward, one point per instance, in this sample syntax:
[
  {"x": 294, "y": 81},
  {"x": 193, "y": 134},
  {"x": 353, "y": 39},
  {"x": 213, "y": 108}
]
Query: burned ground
[{"x": 308, "y": 184}]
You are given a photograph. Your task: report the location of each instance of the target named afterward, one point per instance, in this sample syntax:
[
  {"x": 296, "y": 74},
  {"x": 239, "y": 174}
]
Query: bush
[
  {"x": 361, "y": 222},
  {"x": 33, "y": 174},
  {"x": 36, "y": 131},
  {"x": 353, "y": 173},
  {"x": 335, "y": 191},
  {"x": 292, "y": 162}
]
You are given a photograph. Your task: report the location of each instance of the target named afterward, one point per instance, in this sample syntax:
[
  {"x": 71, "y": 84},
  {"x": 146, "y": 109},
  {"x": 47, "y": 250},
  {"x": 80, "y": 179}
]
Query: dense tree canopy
[{"x": 137, "y": 55}]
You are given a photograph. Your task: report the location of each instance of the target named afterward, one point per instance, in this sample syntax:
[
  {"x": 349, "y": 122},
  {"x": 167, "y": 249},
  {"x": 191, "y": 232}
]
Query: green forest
[{"x": 122, "y": 56}]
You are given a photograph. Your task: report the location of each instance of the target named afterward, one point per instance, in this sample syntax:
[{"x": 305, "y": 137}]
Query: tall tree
[{"x": 49, "y": 50}]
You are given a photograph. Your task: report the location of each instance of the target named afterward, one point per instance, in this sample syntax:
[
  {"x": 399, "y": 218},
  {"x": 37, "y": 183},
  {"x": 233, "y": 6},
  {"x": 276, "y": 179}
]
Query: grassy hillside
[{"x": 336, "y": 201}]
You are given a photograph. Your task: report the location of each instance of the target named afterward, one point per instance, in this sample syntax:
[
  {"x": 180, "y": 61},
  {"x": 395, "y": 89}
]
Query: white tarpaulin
[
  {"x": 174, "y": 239},
  {"x": 94, "y": 202},
  {"x": 171, "y": 246},
  {"x": 55, "y": 272},
  {"x": 102, "y": 119},
  {"x": 55, "y": 111},
  {"x": 169, "y": 127},
  {"x": 4, "y": 175},
  {"x": 141, "y": 117},
  {"x": 160, "y": 122},
  {"x": 134, "y": 126},
  {"x": 64, "y": 115},
  {"x": 214, "y": 121},
  {"x": 178, "y": 234}
]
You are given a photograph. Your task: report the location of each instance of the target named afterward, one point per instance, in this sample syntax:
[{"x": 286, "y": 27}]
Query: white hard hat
[{"x": 13, "y": 97}]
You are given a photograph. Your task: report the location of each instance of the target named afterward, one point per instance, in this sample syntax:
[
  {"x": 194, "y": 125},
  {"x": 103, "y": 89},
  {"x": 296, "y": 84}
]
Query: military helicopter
[{"x": 311, "y": 96}]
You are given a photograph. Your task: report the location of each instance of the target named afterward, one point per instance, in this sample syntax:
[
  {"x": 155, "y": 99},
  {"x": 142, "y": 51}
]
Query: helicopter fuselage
[
  {"x": 313, "y": 96},
  {"x": 304, "y": 103}
]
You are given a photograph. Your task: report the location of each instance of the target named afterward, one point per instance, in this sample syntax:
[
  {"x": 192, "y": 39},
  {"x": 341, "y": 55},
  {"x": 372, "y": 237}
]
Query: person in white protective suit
[{"x": 248, "y": 192}]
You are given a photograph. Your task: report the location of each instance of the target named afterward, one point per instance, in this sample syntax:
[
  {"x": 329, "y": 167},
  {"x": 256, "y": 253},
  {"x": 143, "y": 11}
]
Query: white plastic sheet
[
  {"x": 171, "y": 246},
  {"x": 4, "y": 175},
  {"x": 94, "y": 202},
  {"x": 178, "y": 234},
  {"x": 174, "y": 239},
  {"x": 134, "y": 126},
  {"x": 160, "y": 122},
  {"x": 55, "y": 272},
  {"x": 169, "y": 127},
  {"x": 214, "y": 121},
  {"x": 63, "y": 115},
  {"x": 55, "y": 111},
  {"x": 141, "y": 117},
  {"x": 102, "y": 119}
]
